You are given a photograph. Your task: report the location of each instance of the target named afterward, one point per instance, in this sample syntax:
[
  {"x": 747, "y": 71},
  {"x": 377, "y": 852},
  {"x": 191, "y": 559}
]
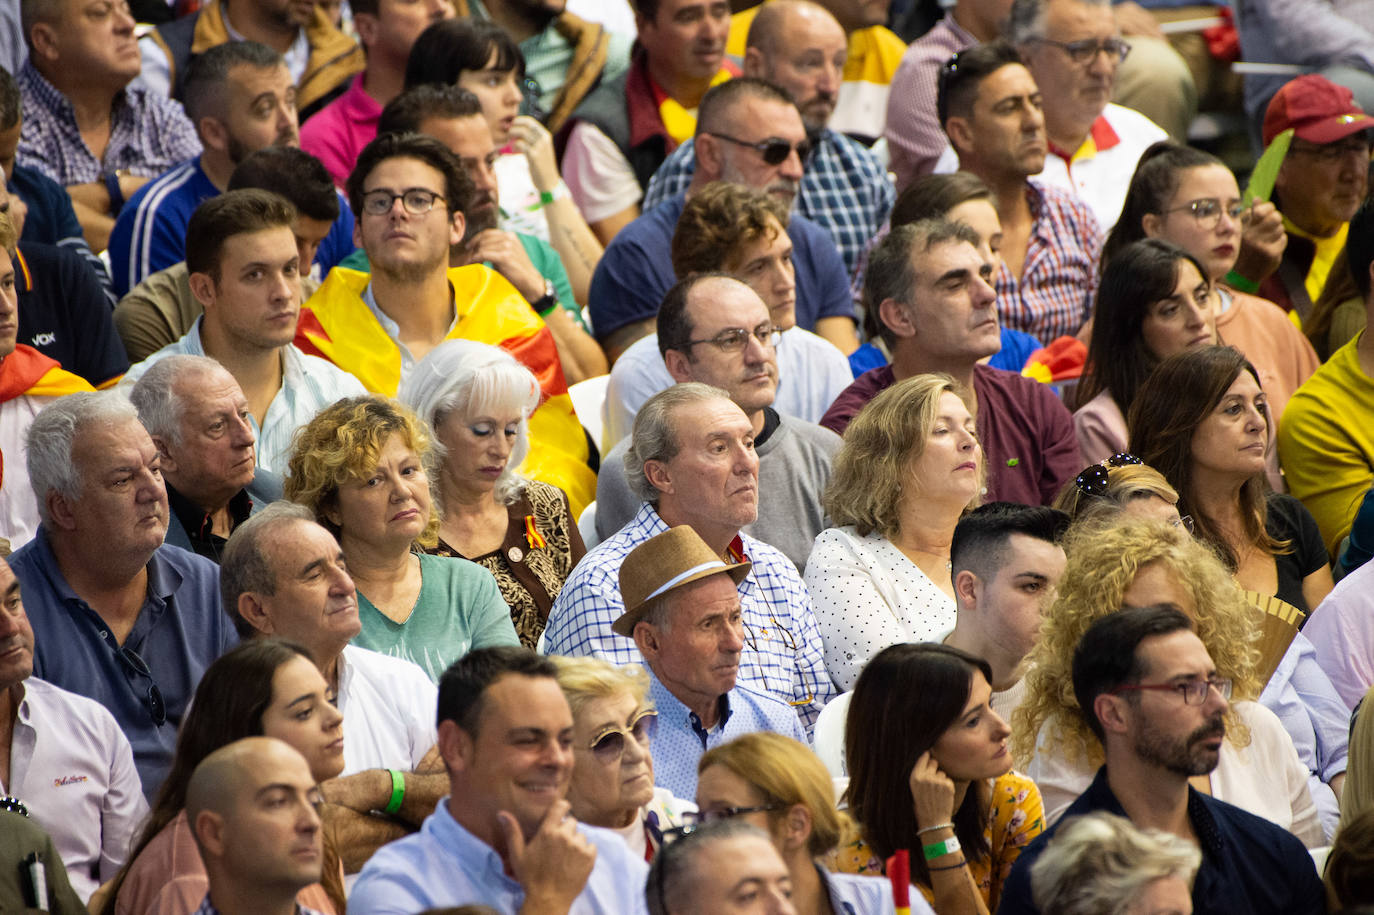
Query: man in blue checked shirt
[{"x": 692, "y": 461}]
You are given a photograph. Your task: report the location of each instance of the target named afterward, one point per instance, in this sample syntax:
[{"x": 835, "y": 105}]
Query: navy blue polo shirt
[
  {"x": 52, "y": 221},
  {"x": 1249, "y": 864},
  {"x": 64, "y": 315}
]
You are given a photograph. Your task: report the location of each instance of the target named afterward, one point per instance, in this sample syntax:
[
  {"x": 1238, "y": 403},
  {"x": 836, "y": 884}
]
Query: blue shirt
[
  {"x": 445, "y": 865},
  {"x": 52, "y": 221},
  {"x": 853, "y": 894},
  {"x": 1248, "y": 864},
  {"x": 637, "y": 271},
  {"x": 1016, "y": 350},
  {"x": 680, "y": 739},
  {"x": 180, "y": 630}
]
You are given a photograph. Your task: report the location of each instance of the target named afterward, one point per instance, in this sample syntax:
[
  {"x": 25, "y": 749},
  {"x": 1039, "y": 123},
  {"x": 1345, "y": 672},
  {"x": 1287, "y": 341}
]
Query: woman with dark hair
[
  {"x": 1211, "y": 447},
  {"x": 265, "y": 687},
  {"x": 481, "y": 57},
  {"x": 928, "y": 763},
  {"x": 1153, "y": 301}
]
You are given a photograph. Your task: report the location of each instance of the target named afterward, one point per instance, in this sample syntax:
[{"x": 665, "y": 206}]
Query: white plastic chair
[
  {"x": 586, "y": 526},
  {"x": 587, "y": 396},
  {"x": 828, "y": 735}
]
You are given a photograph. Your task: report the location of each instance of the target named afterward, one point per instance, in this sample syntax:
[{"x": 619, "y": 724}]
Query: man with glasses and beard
[{"x": 1150, "y": 692}]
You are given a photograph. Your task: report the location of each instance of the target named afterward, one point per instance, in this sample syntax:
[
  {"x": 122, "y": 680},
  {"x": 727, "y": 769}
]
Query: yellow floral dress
[{"x": 1015, "y": 816}]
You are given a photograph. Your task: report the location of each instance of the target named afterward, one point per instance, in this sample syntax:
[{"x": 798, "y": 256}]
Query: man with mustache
[{"x": 1150, "y": 692}]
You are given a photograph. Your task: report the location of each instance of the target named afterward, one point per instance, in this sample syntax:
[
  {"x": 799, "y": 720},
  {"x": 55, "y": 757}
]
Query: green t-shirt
[{"x": 459, "y": 608}]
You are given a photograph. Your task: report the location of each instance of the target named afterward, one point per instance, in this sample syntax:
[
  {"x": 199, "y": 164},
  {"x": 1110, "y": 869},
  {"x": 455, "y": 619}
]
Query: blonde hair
[
  {"x": 1358, "y": 794},
  {"x": 585, "y": 680},
  {"x": 1103, "y": 562},
  {"x": 1124, "y": 485},
  {"x": 343, "y": 443},
  {"x": 872, "y": 468},
  {"x": 787, "y": 773}
]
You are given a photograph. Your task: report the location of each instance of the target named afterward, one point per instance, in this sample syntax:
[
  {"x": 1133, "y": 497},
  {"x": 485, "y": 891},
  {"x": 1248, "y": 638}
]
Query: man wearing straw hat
[{"x": 683, "y": 611}]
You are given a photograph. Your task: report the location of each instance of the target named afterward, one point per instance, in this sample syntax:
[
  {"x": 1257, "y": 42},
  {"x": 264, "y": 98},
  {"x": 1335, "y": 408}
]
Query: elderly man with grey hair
[
  {"x": 701, "y": 872},
  {"x": 118, "y": 616},
  {"x": 691, "y": 461},
  {"x": 200, "y": 423}
]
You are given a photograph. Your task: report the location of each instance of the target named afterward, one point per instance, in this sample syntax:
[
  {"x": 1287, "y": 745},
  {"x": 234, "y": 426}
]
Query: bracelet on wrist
[
  {"x": 946, "y": 867},
  {"x": 398, "y": 792},
  {"x": 940, "y": 849},
  {"x": 921, "y": 832}
]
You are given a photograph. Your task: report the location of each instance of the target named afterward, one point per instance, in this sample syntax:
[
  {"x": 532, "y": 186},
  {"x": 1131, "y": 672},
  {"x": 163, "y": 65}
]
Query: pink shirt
[{"x": 338, "y": 132}]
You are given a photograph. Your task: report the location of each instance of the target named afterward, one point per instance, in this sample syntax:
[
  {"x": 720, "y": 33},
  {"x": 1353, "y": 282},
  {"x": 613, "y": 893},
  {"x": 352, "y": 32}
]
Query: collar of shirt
[
  {"x": 197, "y": 521},
  {"x": 296, "y": 56},
  {"x": 393, "y": 330},
  {"x": 1101, "y": 137},
  {"x": 673, "y": 712},
  {"x": 163, "y": 581},
  {"x": 483, "y": 860},
  {"x": 1209, "y": 837}
]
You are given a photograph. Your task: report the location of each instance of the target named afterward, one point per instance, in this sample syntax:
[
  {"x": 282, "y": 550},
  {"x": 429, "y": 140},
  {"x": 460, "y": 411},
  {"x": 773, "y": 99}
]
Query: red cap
[{"x": 1319, "y": 111}]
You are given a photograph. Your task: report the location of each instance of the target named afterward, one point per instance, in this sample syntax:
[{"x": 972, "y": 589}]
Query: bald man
[{"x": 252, "y": 809}]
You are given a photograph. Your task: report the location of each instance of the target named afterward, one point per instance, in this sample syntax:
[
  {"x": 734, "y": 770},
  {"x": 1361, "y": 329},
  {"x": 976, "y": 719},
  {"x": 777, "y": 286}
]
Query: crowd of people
[{"x": 683, "y": 457}]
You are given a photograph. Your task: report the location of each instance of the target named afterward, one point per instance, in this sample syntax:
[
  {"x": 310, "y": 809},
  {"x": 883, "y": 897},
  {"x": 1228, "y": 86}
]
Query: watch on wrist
[{"x": 547, "y": 302}]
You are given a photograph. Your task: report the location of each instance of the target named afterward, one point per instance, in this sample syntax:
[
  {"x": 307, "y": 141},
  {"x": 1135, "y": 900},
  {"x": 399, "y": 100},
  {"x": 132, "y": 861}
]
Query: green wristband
[
  {"x": 398, "y": 792},
  {"x": 1236, "y": 281},
  {"x": 940, "y": 849},
  {"x": 545, "y": 198}
]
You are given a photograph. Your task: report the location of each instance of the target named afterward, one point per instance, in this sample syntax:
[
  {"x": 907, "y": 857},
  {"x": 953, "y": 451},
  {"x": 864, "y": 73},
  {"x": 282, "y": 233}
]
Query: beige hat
[{"x": 663, "y": 563}]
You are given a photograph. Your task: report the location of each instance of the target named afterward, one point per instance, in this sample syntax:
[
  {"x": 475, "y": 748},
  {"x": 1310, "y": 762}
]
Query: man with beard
[
  {"x": 241, "y": 98},
  {"x": 799, "y": 46},
  {"x": 1150, "y": 692}
]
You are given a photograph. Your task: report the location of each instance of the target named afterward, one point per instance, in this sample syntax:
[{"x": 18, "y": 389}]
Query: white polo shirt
[{"x": 389, "y": 707}]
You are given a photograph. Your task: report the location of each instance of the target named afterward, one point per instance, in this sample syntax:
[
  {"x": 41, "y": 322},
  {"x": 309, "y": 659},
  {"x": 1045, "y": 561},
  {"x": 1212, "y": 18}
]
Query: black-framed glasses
[
  {"x": 695, "y": 819},
  {"x": 416, "y": 200},
  {"x": 157, "y": 708},
  {"x": 1086, "y": 50},
  {"x": 773, "y": 150},
  {"x": 13, "y": 805},
  {"x": 733, "y": 339},
  {"x": 609, "y": 745},
  {"x": 1194, "y": 692},
  {"x": 1332, "y": 152},
  {"x": 1093, "y": 480},
  {"x": 1207, "y": 211}
]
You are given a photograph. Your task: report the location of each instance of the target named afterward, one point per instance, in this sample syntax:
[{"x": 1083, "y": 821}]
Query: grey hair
[
  {"x": 1100, "y": 863},
  {"x": 52, "y": 433},
  {"x": 674, "y": 867},
  {"x": 155, "y": 397},
  {"x": 244, "y": 566},
  {"x": 654, "y": 437},
  {"x": 891, "y": 270},
  {"x": 1026, "y": 20}
]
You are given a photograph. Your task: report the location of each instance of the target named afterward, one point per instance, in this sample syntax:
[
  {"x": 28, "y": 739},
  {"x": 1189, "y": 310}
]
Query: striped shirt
[
  {"x": 150, "y": 233},
  {"x": 1054, "y": 294}
]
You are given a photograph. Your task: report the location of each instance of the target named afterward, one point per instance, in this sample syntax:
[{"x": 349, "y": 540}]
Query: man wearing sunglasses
[{"x": 1151, "y": 694}]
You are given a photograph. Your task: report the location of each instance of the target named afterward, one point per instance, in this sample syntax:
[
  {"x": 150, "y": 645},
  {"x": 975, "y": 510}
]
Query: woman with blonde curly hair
[
  {"x": 361, "y": 466},
  {"x": 910, "y": 466},
  {"x": 1141, "y": 563}
]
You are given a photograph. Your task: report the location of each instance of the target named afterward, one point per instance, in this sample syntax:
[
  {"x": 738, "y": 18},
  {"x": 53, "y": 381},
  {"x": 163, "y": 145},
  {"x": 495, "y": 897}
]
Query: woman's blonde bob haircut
[
  {"x": 343, "y": 443},
  {"x": 1124, "y": 486},
  {"x": 585, "y": 680},
  {"x": 872, "y": 469},
  {"x": 786, "y": 773},
  {"x": 1103, "y": 562}
]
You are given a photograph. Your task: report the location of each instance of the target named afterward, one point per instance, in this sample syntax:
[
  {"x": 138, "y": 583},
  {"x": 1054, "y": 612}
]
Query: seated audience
[
  {"x": 748, "y": 132},
  {"x": 714, "y": 329},
  {"x": 25, "y": 849},
  {"x": 612, "y": 785},
  {"x": 1211, "y": 447},
  {"x": 930, "y": 285},
  {"x": 742, "y": 231},
  {"x": 672, "y": 584},
  {"x": 198, "y": 419},
  {"x": 909, "y": 467},
  {"x": 118, "y": 617},
  {"x": 1150, "y": 692},
  {"x": 1006, "y": 561},
  {"x": 65, "y": 758},
  {"x": 929, "y": 770},
  {"x": 1100, "y": 864},
  {"x": 503, "y": 836},
  {"x": 692, "y": 462},
  {"x": 1141, "y": 563},
  {"x": 1153, "y": 302},
  {"x": 1349, "y": 875},
  {"x": 782, "y": 787},
  {"x": 478, "y": 399},
  {"x": 709, "y": 869},
  {"x": 262, "y": 688},
  {"x": 253, "y": 811},
  {"x": 360, "y": 466}
]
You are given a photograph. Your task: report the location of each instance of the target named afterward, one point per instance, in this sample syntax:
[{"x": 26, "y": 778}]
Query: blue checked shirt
[
  {"x": 782, "y": 653},
  {"x": 844, "y": 190},
  {"x": 148, "y": 134}
]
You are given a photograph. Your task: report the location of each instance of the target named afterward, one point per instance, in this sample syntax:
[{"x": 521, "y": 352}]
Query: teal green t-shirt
[{"x": 459, "y": 608}]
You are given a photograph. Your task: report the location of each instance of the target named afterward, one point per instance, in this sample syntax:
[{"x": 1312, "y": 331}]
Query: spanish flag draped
[
  {"x": 27, "y": 371},
  {"x": 337, "y": 325}
]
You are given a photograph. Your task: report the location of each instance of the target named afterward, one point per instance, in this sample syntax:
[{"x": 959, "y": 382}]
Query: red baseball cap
[{"x": 1319, "y": 111}]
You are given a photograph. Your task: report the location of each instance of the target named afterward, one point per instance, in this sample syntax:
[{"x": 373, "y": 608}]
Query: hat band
[{"x": 680, "y": 577}]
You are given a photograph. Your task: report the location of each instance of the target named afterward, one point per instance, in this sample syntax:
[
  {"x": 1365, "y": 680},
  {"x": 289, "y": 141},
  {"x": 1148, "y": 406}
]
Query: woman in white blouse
[{"x": 910, "y": 466}]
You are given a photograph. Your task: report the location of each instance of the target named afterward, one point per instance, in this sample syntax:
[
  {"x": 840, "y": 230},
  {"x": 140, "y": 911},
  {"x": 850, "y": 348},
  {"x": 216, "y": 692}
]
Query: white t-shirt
[
  {"x": 597, "y": 173},
  {"x": 389, "y": 707}
]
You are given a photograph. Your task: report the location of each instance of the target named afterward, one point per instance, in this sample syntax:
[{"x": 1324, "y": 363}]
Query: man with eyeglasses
[
  {"x": 63, "y": 758},
  {"x": 118, "y": 616},
  {"x": 409, "y": 194},
  {"x": 714, "y": 329},
  {"x": 748, "y": 132},
  {"x": 503, "y": 836},
  {"x": 691, "y": 461},
  {"x": 1150, "y": 692}
]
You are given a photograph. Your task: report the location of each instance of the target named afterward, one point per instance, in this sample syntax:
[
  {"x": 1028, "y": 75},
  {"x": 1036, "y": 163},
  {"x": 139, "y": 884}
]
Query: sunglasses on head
[
  {"x": 609, "y": 745},
  {"x": 1093, "y": 480}
]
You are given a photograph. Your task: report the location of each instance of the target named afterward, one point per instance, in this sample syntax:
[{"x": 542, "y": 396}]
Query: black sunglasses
[
  {"x": 157, "y": 708},
  {"x": 774, "y": 150},
  {"x": 1093, "y": 481}
]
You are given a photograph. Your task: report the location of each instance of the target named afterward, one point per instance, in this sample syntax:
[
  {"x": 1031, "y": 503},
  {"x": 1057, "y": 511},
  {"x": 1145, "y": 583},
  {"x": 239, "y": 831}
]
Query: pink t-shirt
[{"x": 339, "y": 131}]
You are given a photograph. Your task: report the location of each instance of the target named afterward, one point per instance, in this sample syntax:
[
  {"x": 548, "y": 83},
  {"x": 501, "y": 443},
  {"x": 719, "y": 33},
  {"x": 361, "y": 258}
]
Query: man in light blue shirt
[{"x": 503, "y": 837}]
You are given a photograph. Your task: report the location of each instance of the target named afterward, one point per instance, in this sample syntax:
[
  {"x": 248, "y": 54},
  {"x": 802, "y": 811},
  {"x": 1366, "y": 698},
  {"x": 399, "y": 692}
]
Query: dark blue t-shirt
[{"x": 64, "y": 315}]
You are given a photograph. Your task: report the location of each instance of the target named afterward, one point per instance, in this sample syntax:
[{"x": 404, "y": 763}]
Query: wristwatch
[{"x": 546, "y": 302}]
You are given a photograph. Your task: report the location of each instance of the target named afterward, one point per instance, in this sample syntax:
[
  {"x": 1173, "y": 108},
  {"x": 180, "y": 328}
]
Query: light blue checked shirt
[
  {"x": 782, "y": 655},
  {"x": 843, "y": 190},
  {"x": 308, "y": 385}
]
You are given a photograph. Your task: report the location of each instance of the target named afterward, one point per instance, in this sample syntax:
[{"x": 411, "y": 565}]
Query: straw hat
[{"x": 662, "y": 564}]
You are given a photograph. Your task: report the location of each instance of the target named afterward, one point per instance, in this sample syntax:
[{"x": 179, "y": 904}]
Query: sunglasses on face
[
  {"x": 609, "y": 745},
  {"x": 773, "y": 150}
]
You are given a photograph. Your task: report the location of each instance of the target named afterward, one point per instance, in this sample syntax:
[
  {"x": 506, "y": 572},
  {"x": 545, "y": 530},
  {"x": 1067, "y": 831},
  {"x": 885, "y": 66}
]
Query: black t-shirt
[
  {"x": 64, "y": 314},
  {"x": 1288, "y": 519}
]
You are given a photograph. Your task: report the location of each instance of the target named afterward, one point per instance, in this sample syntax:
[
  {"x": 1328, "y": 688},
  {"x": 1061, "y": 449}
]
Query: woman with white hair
[{"x": 478, "y": 398}]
